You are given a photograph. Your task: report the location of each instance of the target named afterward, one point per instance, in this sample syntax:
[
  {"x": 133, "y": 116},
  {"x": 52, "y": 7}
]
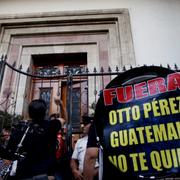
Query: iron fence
[{"x": 90, "y": 83}]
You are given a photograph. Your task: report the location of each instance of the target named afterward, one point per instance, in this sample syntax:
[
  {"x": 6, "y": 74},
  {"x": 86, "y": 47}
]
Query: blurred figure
[
  {"x": 4, "y": 163},
  {"x": 5, "y": 135},
  {"x": 4, "y": 139},
  {"x": 61, "y": 149},
  {"x": 77, "y": 160},
  {"x": 39, "y": 143},
  {"x": 91, "y": 156}
]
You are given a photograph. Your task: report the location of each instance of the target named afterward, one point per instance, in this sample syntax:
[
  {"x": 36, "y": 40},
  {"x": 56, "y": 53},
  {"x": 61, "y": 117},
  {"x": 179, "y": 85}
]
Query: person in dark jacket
[{"x": 37, "y": 153}]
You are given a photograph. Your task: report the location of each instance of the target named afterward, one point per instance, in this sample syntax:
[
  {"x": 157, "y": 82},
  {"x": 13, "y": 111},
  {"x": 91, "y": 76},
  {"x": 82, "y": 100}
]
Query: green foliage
[{"x": 7, "y": 120}]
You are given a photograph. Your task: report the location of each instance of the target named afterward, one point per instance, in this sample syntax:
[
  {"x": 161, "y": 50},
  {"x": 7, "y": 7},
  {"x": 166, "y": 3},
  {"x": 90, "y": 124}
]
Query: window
[{"x": 45, "y": 94}]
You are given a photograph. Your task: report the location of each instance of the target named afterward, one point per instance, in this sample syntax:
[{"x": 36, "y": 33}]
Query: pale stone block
[{"x": 58, "y": 49}]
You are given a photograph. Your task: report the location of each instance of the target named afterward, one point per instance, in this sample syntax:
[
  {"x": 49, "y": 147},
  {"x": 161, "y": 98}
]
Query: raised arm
[{"x": 63, "y": 111}]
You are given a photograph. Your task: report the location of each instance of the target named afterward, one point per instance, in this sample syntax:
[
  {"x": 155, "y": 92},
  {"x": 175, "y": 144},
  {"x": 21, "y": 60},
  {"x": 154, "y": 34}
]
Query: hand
[
  {"x": 57, "y": 101},
  {"x": 78, "y": 175}
]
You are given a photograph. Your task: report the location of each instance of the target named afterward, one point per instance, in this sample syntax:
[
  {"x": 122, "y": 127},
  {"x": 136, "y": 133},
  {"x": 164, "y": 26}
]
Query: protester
[
  {"x": 39, "y": 144},
  {"x": 60, "y": 142},
  {"x": 5, "y": 135},
  {"x": 77, "y": 160},
  {"x": 4, "y": 163},
  {"x": 91, "y": 155},
  {"x": 62, "y": 165}
]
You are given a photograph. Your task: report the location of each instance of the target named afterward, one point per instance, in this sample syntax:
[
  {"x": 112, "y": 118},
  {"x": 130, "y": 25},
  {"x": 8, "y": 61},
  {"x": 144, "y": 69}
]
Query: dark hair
[
  {"x": 87, "y": 119},
  {"x": 37, "y": 109},
  {"x": 55, "y": 115}
]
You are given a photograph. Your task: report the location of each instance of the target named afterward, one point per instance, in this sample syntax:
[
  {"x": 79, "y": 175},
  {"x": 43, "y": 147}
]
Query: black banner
[{"x": 138, "y": 119}]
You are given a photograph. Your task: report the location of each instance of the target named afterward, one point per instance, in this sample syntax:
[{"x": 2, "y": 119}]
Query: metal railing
[{"x": 100, "y": 76}]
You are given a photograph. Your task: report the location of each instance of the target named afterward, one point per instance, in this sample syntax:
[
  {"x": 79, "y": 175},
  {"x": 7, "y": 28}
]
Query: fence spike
[
  {"x": 160, "y": 65},
  {"x": 168, "y": 66},
  {"x": 80, "y": 71},
  {"x": 95, "y": 71},
  {"x": 5, "y": 57},
  {"x": 102, "y": 70},
  {"x": 2, "y": 57},
  {"x": 14, "y": 64},
  {"x": 109, "y": 69},
  {"x": 176, "y": 67},
  {"x": 124, "y": 68},
  {"x": 87, "y": 70},
  {"x": 131, "y": 67},
  {"x": 28, "y": 70},
  {"x": 117, "y": 69},
  {"x": 20, "y": 67},
  {"x": 59, "y": 72}
]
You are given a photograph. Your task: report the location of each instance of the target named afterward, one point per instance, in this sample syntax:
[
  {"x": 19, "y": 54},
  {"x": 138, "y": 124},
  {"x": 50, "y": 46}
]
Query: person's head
[
  {"x": 37, "y": 109},
  {"x": 86, "y": 121},
  {"x": 54, "y": 116},
  {"x": 5, "y": 134}
]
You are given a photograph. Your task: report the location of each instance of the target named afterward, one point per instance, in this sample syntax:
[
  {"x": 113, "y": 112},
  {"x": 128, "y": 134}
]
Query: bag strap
[
  {"x": 97, "y": 138},
  {"x": 13, "y": 166},
  {"x": 19, "y": 146}
]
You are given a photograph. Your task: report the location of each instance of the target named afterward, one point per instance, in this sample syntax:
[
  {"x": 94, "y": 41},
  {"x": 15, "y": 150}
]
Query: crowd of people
[{"x": 37, "y": 148}]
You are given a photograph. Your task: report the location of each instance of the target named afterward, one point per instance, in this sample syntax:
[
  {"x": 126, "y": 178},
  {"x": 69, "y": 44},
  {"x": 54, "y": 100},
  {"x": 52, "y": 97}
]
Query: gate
[{"x": 79, "y": 88}]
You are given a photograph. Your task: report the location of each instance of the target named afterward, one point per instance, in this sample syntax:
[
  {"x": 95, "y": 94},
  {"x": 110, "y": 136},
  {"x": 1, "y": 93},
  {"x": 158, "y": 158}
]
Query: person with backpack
[{"x": 36, "y": 154}]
